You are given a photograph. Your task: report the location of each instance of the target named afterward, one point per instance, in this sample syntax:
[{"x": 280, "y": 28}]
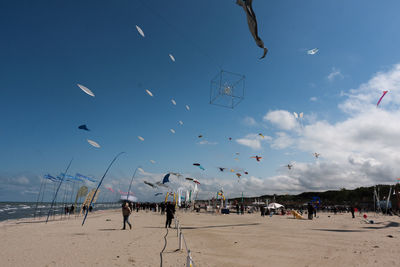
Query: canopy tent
[
  {"x": 131, "y": 198},
  {"x": 275, "y": 206}
]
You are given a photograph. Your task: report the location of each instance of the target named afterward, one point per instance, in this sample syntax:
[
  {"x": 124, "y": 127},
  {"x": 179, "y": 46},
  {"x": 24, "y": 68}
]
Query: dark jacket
[{"x": 126, "y": 211}]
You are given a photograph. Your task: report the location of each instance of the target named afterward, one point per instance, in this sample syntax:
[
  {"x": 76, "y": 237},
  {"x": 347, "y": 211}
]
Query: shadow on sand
[
  {"x": 390, "y": 224},
  {"x": 209, "y": 226},
  {"x": 339, "y": 230}
]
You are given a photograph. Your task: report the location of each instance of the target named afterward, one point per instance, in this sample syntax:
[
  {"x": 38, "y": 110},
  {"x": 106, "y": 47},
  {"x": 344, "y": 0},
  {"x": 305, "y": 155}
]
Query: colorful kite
[
  {"x": 140, "y": 138},
  {"x": 260, "y": 134},
  {"x": 85, "y": 177},
  {"x": 380, "y": 99},
  {"x": 252, "y": 23},
  {"x": 238, "y": 175},
  {"x": 256, "y": 157},
  {"x": 93, "y": 143},
  {"x": 198, "y": 165},
  {"x": 109, "y": 188}
]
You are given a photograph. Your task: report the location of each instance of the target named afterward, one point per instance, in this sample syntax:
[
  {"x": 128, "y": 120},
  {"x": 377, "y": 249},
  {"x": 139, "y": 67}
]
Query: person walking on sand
[
  {"x": 262, "y": 209},
  {"x": 352, "y": 211},
  {"x": 126, "y": 211},
  {"x": 310, "y": 210},
  {"x": 170, "y": 214}
]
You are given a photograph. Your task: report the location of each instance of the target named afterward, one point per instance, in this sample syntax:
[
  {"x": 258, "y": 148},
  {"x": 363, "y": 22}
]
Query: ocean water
[{"x": 19, "y": 210}]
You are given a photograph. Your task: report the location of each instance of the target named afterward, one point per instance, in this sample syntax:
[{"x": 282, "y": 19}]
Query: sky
[{"x": 48, "y": 47}]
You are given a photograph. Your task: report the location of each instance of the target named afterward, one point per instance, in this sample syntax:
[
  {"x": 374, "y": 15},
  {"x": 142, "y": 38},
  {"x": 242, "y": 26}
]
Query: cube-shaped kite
[{"x": 227, "y": 89}]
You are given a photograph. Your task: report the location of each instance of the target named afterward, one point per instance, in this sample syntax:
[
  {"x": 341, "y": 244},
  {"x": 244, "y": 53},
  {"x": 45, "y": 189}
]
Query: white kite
[
  {"x": 141, "y": 170},
  {"x": 86, "y": 90},
  {"x": 140, "y": 30},
  {"x": 172, "y": 57},
  {"x": 187, "y": 107},
  {"x": 93, "y": 143},
  {"x": 298, "y": 115},
  {"x": 153, "y": 161},
  {"x": 181, "y": 122},
  {"x": 313, "y": 51},
  {"x": 149, "y": 93},
  {"x": 172, "y": 131},
  {"x": 173, "y": 102},
  {"x": 140, "y": 138}
]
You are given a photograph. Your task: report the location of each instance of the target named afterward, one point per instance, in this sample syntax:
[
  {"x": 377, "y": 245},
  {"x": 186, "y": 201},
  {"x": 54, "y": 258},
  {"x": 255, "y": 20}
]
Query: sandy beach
[{"x": 214, "y": 240}]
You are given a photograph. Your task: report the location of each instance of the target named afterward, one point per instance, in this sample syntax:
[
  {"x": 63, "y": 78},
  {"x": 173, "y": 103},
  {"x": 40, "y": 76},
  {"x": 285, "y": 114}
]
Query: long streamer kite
[
  {"x": 380, "y": 99},
  {"x": 97, "y": 189},
  {"x": 252, "y": 22},
  {"x": 55, "y": 195},
  {"x": 130, "y": 185}
]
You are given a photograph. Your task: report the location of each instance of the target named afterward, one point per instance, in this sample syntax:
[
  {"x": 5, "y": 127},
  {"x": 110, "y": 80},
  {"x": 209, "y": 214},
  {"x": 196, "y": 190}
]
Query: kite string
[{"x": 182, "y": 35}]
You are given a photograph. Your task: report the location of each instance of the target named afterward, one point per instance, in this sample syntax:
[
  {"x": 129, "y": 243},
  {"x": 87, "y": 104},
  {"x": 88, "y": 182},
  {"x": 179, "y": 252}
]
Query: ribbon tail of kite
[
  {"x": 252, "y": 23},
  {"x": 380, "y": 99},
  {"x": 95, "y": 192}
]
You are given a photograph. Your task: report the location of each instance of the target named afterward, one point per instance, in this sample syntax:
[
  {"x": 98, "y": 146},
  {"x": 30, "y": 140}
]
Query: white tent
[
  {"x": 275, "y": 206},
  {"x": 131, "y": 198}
]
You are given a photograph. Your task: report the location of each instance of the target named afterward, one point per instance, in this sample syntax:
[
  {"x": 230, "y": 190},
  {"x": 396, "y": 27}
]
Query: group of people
[{"x": 127, "y": 208}]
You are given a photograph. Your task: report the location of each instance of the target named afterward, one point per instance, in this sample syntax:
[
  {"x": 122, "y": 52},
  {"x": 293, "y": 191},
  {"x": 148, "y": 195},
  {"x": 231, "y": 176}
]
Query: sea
[{"x": 19, "y": 210}]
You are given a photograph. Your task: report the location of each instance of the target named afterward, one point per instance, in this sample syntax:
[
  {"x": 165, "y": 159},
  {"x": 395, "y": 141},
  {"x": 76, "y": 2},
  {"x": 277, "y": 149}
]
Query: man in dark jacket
[{"x": 170, "y": 214}]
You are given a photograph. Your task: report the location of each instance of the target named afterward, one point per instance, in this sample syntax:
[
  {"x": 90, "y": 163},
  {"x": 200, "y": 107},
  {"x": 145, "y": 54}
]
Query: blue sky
[{"x": 48, "y": 47}]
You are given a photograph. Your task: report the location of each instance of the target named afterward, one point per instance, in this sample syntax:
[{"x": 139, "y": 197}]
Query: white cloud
[
  {"x": 283, "y": 140},
  {"x": 334, "y": 74},
  {"x": 313, "y": 99},
  {"x": 253, "y": 141},
  {"x": 249, "y": 121},
  {"x": 205, "y": 142},
  {"x": 282, "y": 119},
  {"x": 359, "y": 150}
]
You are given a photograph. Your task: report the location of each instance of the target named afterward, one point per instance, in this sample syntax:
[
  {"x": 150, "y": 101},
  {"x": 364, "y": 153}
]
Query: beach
[{"x": 214, "y": 240}]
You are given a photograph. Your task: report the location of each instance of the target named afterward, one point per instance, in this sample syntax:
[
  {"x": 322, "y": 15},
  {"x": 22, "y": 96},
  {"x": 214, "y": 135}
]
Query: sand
[{"x": 214, "y": 240}]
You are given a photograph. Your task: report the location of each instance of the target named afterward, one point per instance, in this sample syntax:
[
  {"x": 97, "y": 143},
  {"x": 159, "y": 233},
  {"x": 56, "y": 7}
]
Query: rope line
[{"x": 162, "y": 251}]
